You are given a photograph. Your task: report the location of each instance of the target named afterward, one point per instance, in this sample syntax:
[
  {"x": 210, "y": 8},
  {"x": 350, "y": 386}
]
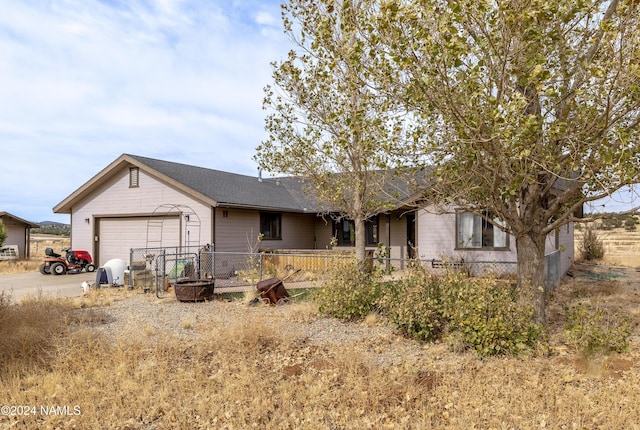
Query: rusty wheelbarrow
[{"x": 272, "y": 291}]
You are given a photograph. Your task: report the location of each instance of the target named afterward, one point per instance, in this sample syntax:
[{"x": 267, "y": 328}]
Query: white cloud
[
  {"x": 85, "y": 81},
  {"x": 266, "y": 18}
]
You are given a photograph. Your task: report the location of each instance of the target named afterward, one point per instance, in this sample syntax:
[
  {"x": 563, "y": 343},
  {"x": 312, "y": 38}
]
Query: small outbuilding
[{"x": 18, "y": 233}]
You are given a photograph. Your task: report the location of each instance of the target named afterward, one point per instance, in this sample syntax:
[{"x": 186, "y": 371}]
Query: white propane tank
[{"x": 117, "y": 268}]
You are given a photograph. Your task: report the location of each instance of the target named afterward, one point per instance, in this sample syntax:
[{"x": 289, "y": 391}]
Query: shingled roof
[
  {"x": 232, "y": 189},
  {"x": 214, "y": 186},
  {"x": 219, "y": 188},
  {"x": 29, "y": 224}
]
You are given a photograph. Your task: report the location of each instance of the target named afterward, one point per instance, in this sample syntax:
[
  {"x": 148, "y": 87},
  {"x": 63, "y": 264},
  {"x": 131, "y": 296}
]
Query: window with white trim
[{"x": 480, "y": 232}]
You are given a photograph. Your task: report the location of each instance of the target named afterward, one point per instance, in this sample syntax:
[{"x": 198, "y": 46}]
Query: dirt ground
[
  {"x": 607, "y": 287},
  {"x": 596, "y": 273}
]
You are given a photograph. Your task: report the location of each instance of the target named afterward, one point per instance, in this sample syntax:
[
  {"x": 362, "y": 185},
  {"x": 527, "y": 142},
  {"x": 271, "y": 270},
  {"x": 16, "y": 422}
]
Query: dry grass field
[
  {"x": 118, "y": 359},
  {"x": 622, "y": 248}
]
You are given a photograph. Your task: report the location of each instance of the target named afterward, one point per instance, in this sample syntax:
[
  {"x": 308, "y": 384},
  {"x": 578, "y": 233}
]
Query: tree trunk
[
  {"x": 361, "y": 241},
  {"x": 530, "y": 251}
]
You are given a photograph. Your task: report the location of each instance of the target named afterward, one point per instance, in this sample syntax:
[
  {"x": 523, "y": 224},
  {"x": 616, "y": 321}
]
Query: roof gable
[
  {"x": 216, "y": 187},
  {"x": 20, "y": 220}
]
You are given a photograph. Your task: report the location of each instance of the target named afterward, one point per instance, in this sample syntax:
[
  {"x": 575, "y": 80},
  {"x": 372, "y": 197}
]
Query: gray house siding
[
  {"x": 397, "y": 226},
  {"x": 237, "y": 230},
  {"x": 436, "y": 239},
  {"x": 323, "y": 232},
  {"x": 134, "y": 206},
  {"x": 298, "y": 232},
  {"x": 564, "y": 244},
  {"x": 16, "y": 233}
]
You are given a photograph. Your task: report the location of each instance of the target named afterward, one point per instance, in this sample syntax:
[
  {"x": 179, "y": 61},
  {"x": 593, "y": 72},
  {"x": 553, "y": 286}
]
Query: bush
[
  {"x": 485, "y": 314},
  {"x": 350, "y": 293},
  {"x": 591, "y": 247},
  {"x": 597, "y": 329},
  {"x": 414, "y": 305},
  {"x": 489, "y": 315},
  {"x": 630, "y": 224},
  {"x": 610, "y": 223},
  {"x": 3, "y": 233}
]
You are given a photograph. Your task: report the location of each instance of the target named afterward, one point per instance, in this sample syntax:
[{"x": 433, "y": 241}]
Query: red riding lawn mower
[{"x": 73, "y": 262}]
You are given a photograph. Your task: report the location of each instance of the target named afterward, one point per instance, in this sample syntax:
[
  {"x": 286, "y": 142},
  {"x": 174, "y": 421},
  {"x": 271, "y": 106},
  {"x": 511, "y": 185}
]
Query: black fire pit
[{"x": 194, "y": 290}]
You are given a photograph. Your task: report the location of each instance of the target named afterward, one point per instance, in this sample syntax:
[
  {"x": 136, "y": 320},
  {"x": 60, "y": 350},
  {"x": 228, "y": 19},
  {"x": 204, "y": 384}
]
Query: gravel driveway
[
  {"x": 145, "y": 318},
  {"x": 22, "y": 284}
]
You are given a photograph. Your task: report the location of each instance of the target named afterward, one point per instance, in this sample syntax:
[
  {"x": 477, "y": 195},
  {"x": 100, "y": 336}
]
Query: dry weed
[
  {"x": 41, "y": 242},
  {"x": 29, "y": 332},
  {"x": 8, "y": 267}
]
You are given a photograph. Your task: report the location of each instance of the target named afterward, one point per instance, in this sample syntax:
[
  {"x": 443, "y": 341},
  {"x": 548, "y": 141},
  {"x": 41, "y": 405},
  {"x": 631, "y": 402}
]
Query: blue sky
[{"x": 82, "y": 82}]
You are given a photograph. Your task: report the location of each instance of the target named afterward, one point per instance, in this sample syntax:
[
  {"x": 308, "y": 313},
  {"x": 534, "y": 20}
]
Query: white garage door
[{"x": 118, "y": 235}]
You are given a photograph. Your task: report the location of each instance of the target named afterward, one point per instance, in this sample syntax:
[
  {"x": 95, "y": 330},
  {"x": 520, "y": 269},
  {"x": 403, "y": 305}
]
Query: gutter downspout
[{"x": 213, "y": 226}]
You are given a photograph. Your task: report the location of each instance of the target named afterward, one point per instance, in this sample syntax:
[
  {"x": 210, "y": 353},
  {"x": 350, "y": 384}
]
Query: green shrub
[
  {"x": 350, "y": 293},
  {"x": 489, "y": 315},
  {"x": 381, "y": 259},
  {"x": 414, "y": 305},
  {"x": 592, "y": 330},
  {"x": 630, "y": 224},
  {"x": 3, "y": 233},
  {"x": 484, "y": 314}
]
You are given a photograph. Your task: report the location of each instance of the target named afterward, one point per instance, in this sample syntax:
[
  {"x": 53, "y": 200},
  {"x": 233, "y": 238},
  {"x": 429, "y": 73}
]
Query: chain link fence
[{"x": 154, "y": 269}]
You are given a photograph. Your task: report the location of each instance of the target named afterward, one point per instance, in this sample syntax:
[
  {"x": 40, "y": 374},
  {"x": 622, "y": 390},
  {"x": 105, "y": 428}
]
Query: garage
[{"x": 116, "y": 236}]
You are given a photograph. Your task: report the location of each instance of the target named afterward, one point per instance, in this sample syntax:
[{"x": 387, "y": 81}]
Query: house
[
  {"x": 455, "y": 235},
  {"x": 461, "y": 235},
  {"x": 18, "y": 233},
  {"x": 140, "y": 202}
]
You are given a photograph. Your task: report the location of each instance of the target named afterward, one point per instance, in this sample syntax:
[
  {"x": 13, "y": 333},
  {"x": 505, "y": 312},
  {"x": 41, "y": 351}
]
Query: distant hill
[
  {"x": 52, "y": 227},
  {"x": 47, "y": 223}
]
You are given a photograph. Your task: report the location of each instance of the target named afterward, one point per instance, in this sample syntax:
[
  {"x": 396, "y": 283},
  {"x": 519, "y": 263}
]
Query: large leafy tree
[
  {"x": 327, "y": 123},
  {"x": 531, "y": 108}
]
